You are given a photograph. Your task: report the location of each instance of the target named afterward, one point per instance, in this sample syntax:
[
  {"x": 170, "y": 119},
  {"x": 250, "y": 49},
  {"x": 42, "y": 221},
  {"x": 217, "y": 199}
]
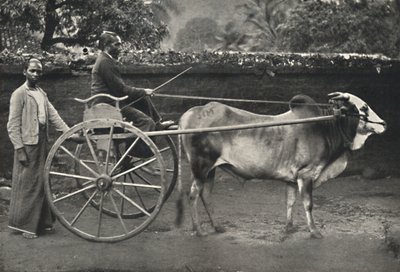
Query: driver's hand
[{"x": 149, "y": 91}]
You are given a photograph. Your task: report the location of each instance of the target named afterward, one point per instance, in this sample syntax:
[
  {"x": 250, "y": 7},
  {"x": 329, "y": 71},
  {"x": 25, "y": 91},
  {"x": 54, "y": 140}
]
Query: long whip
[{"x": 160, "y": 86}]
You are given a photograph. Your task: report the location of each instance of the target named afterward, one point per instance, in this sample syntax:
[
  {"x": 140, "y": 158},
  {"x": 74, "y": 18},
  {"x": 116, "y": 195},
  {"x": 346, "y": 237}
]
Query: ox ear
[{"x": 339, "y": 96}]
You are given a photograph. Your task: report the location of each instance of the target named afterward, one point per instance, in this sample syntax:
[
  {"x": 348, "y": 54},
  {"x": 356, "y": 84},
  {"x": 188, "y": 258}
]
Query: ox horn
[{"x": 339, "y": 96}]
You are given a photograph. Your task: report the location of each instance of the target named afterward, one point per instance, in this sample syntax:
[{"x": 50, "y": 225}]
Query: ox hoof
[
  {"x": 316, "y": 235},
  {"x": 219, "y": 229}
]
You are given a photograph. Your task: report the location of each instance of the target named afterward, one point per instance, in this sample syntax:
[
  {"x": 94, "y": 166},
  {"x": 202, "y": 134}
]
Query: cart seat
[
  {"x": 102, "y": 111},
  {"x": 101, "y": 135}
]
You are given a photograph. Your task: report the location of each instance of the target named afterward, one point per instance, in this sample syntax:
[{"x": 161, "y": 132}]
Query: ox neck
[
  {"x": 347, "y": 139},
  {"x": 339, "y": 133}
]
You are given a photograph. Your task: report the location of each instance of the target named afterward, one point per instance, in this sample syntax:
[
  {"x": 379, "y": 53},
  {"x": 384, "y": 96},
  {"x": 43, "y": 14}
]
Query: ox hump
[
  {"x": 304, "y": 106},
  {"x": 203, "y": 116}
]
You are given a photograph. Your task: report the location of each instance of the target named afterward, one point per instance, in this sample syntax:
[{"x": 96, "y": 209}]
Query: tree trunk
[
  {"x": 50, "y": 24},
  {"x": 396, "y": 5}
]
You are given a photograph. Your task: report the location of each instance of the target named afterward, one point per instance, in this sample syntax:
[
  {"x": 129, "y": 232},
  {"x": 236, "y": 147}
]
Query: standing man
[
  {"x": 29, "y": 117},
  {"x": 106, "y": 78}
]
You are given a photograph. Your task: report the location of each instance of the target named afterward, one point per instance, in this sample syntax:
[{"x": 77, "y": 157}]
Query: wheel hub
[{"x": 103, "y": 182}]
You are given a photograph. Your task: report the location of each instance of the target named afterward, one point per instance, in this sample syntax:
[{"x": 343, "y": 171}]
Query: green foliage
[
  {"x": 163, "y": 9},
  {"x": 233, "y": 37},
  {"x": 264, "y": 61},
  {"x": 197, "y": 35},
  {"x": 349, "y": 27},
  {"x": 80, "y": 22},
  {"x": 255, "y": 29}
]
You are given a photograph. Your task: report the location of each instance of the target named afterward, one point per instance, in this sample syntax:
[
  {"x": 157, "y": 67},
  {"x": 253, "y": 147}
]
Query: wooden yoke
[{"x": 102, "y": 110}]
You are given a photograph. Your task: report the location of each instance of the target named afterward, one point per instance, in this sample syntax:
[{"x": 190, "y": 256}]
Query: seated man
[{"x": 106, "y": 78}]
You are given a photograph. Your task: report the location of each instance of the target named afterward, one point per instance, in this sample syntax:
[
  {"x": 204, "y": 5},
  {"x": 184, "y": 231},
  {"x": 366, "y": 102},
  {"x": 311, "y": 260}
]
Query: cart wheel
[
  {"x": 87, "y": 180},
  {"x": 167, "y": 150}
]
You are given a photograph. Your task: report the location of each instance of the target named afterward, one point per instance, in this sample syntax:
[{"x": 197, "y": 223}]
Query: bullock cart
[{"x": 110, "y": 185}]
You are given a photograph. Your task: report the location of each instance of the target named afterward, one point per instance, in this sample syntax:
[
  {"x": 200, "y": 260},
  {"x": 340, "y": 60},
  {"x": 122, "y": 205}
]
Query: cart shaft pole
[{"x": 240, "y": 127}]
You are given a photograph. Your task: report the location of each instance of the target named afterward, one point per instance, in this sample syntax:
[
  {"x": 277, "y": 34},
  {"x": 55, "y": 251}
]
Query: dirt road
[{"x": 358, "y": 218}]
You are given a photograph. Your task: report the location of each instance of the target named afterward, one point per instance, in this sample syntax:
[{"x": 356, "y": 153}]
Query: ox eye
[{"x": 364, "y": 108}]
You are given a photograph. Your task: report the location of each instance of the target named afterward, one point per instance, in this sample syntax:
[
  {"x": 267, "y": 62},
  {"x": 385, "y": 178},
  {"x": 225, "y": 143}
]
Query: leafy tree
[
  {"x": 74, "y": 22},
  {"x": 256, "y": 27},
  {"x": 198, "y": 34},
  {"x": 349, "y": 27},
  {"x": 396, "y": 8},
  {"x": 163, "y": 9},
  {"x": 232, "y": 37}
]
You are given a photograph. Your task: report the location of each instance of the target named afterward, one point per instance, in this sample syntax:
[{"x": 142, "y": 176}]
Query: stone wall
[{"x": 377, "y": 82}]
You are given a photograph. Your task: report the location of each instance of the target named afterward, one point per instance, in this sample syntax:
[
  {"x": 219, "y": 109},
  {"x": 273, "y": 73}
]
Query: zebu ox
[{"x": 303, "y": 155}]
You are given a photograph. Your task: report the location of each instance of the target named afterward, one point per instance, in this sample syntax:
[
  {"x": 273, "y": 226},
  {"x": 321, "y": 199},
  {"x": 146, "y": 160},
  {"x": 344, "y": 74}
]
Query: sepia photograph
[{"x": 199, "y": 135}]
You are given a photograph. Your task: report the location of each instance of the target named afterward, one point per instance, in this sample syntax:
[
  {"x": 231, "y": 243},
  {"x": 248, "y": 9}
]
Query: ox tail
[{"x": 179, "y": 202}]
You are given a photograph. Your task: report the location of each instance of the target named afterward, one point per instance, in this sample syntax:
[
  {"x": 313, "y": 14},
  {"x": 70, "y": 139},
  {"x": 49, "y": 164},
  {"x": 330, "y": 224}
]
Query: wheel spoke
[
  {"x": 92, "y": 150},
  {"x": 145, "y": 180},
  {"x": 100, "y": 214},
  {"x": 79, "y": 161},
  {"x": 71, "y": 175},
  {"x": 133, "y": 169},
  {"x": 110, "y": 140},
  {"x": 93, "y": 162},
  {"x": 168, "y": 170},
  {"x": 137, "y": 192},
  {"x": 132, "y": 202},
  {"x": 122, "y": 199},
  {"x": 137, "y": 185},
  {"x": 83, "y": 208},
  {"x": 74, "y": 193},
  {"x": 89, "y": 161},
  {"x": 165, "y": 149},
  {"x": 124, "y": 155},
  {"x": 118, "y": 214},
  {"x": 136, "y": 161}
]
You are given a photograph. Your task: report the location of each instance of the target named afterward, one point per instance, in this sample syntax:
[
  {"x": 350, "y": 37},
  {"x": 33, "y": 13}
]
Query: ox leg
[
  {"x": 206, "y": 198},
  {"x": 305, "y": 189},
  {"x": 291, "y": 194},
  {"x": 195, "y": 190}
]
